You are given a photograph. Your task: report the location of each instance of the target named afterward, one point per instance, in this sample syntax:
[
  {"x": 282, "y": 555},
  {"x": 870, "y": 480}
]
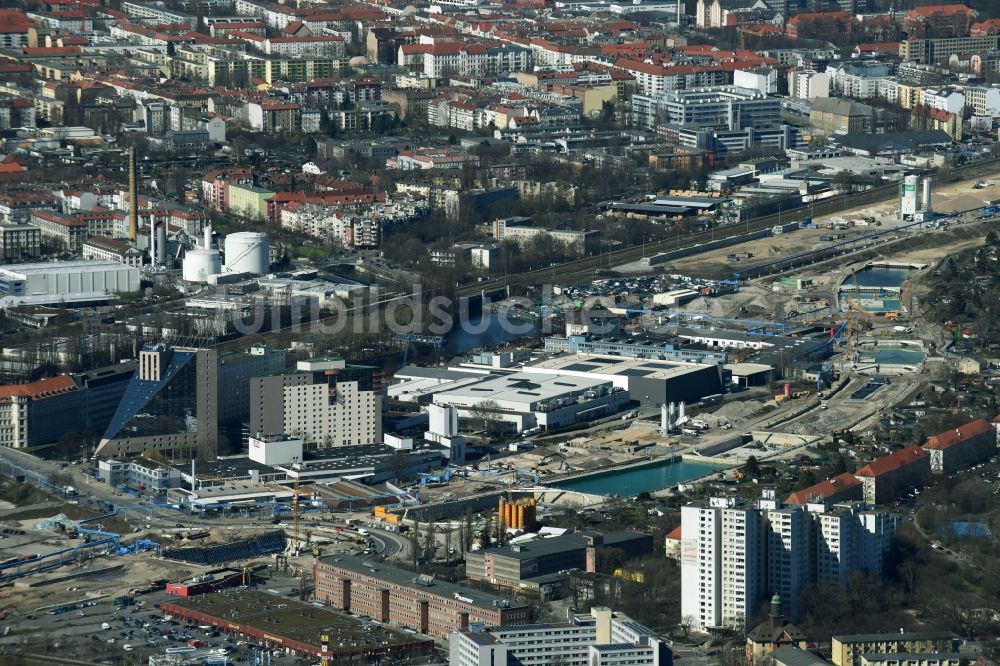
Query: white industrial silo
[
  {"x": 909, "y": 197},
  {"x": 247, "y": 252},
  {"x": 199, "y": 263}
]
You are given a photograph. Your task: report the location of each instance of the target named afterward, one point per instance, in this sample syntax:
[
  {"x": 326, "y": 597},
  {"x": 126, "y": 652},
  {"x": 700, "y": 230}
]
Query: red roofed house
[
  {"x": 820, "y": 23},
  {"x": 68, "y": 231},
  {"x": 939, "y": 21},
  {"x": 892, "y": 475},
  {"x": 34, "y": 413},
  {"x": 985, "y": 28},
  {"x": 928, "y": 118},
  {"x": 672, "y": 544},
  {"x": 215, "y": 186},
  {"x": 954, "y": 450},
  {"x": 11, "y": 170},
  {"x": 841, "y": 488},
  {"x": 14, "y": 27}
]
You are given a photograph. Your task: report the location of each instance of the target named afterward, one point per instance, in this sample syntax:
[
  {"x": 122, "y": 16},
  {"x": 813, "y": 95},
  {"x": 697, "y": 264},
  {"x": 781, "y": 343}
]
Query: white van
[{"x": 105, "y": 626}]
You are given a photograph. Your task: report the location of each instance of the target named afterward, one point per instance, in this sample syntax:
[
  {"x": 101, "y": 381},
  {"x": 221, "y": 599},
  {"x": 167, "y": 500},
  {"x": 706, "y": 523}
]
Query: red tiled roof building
[
  {"x": 960, "y": 448},
  {"x": 890, "y": 476}
]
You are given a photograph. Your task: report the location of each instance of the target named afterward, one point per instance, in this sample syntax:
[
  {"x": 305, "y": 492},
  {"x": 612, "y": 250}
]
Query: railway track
[{"x": 588, "y": 266}]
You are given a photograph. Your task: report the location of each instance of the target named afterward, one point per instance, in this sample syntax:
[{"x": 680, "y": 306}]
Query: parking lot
[{"x": 108, "y": 633}]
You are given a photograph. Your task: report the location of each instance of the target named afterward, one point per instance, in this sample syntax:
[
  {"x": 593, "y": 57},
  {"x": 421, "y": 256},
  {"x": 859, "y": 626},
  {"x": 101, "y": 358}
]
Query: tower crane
[{"x": 856, "y": 316}]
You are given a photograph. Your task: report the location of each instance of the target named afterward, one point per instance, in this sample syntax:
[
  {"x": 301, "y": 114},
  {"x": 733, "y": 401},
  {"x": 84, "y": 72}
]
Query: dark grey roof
[
  {"x": 434, "y": 586},
  {"x": 481, "y": 638},
  {"x": 895, "y": 141},
  {"x": 840, "y": 106},
  {"x": 541, "y": 547},
  {"x": 795, "y": 656},
  {"x": 908, "y": 636}
]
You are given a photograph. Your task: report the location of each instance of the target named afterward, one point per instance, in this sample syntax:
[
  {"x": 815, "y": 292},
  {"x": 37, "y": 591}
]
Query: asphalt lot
[{"x": 134, "y": 632}]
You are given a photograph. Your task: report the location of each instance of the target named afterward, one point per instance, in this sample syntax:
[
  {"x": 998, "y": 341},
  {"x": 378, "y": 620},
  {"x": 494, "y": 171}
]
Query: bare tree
[
  {"x": 487, "y": 413},
  {"x": 687, "y": 623}
]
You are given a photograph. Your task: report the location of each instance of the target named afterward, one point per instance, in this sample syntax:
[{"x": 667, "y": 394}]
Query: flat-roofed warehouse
[
  {"x": 530, "y": 398},
  {"x": 669, "y": 206},
  {"x": 280, "y": 623},
  {"x": 650, "y": 382},
  {"x": 70, "y": 282}
]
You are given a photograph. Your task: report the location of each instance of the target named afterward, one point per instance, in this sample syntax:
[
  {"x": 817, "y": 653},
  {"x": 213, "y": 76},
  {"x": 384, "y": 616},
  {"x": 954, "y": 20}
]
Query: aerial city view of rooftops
[{"x": 499, "y": 333}]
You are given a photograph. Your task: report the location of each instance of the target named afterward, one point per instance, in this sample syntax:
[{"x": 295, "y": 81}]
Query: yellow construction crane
[{"x": 856, "y": 315}]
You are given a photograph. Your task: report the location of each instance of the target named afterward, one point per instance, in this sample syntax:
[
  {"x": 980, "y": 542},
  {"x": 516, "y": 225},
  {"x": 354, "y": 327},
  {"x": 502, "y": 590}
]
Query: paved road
[{"x": 137, "y": 512}]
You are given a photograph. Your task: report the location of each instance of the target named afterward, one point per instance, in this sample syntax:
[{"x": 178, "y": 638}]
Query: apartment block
[
  {"x": 18, "y": 241},
  {"x": 892, "y": 475},
  {"x": 735, "y": 556},
  {"x": 954, "y": 450},
  {"x": 325, "y": 402},
  {"x": 787, "y": 537},
  {"x": 522, "y": 231},
  {"x": 939, "y": 50},
  {"x": 912, "y": 659},
  {"x": 849, "y": 650},
  {"x": 808, "y": 84},
  {"x": 943, "y": 20},
  {"x": 841, "y": 488},
  {"x": 983, "y": 100},
  {"x": 31, "y": 413}
]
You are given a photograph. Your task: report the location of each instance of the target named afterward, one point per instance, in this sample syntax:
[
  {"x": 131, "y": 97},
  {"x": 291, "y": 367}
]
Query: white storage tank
[
  {"x": 247, "y": 252},
  {"x": 199, "y": 264}
]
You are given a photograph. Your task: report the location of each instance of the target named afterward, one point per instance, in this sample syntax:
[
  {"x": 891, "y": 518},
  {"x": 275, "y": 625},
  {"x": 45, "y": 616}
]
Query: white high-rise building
[
  {"x": 742, "y": 566},
  {"x": 735, "y": 556},
  {"x": 835, "y": 545},
  {"x": 720, "y": 562},
  {"x": 808, "y": 84},
  {"x": 325, "y": 403},
  {"x": 787, "y": 530},
  {"x": 701, "y": 577}
]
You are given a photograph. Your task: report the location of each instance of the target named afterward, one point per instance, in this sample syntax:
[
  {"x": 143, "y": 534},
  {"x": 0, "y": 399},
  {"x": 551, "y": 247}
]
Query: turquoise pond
[
  {"x": 898, "y": 356},
  {"x": 878, "y": 277},
  {"x": 644, "y": 479}
]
